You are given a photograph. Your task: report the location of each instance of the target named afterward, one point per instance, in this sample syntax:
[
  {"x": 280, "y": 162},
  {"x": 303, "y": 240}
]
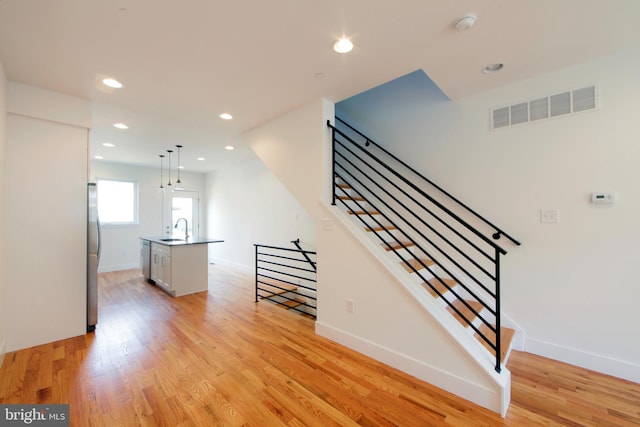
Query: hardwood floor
[{"x": 218, "y": 358}]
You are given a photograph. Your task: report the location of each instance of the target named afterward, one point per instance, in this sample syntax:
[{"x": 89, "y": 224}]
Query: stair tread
[
  {"x": 382, "y": 228},
  {"x": 466, "y": 312},
  {"x": 506, "y": 337},
  {"x": 450, "y": 283},
  {"x": 291, "y": 303},
  {"x": 354, "y": 198},
  {"x": 364, "y": 213},
  {"x": 396, "y": 245},
  {"x": 415, "y": 263}
]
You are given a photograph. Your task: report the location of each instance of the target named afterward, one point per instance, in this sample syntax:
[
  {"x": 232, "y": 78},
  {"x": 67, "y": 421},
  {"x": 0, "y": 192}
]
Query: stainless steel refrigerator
[{"x": 93, "y": 256}]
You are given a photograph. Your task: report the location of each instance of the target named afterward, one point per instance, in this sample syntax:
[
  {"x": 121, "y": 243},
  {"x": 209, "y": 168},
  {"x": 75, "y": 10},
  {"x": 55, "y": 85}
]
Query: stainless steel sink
[{"x": 171, "y": 240}]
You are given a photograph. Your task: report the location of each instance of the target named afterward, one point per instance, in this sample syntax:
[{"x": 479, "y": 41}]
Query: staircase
[{"x": 441, "y": 243}]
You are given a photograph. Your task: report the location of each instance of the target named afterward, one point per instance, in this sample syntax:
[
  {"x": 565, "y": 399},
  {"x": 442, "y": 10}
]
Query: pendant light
[
  {"x": 178, "y": 181},
  {"x": 161, "y": 161},
  {"x": 169, "y": 151}
]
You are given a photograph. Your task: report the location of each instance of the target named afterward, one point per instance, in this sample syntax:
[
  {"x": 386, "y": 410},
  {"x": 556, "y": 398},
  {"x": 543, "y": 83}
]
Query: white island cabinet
[{"x": 179, "y": 268}]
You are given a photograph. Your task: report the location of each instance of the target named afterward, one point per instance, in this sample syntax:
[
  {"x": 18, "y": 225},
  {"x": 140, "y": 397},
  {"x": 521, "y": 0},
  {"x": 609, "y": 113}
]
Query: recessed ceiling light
[
  {"x": 226, "y": 116},
  {"x": 343, "y": 45},
  {"x": 202, "y": 159},
  {"x": 493, "y": 68},
  {"x": 180, "y": 167},
  {"x": 121, "y": 126},
  {"x": 108, "y": 144},
  {"x": 229, "y": 147},
  {"x": 98, "y": 157},
  {"x": 112, "y": 83}
]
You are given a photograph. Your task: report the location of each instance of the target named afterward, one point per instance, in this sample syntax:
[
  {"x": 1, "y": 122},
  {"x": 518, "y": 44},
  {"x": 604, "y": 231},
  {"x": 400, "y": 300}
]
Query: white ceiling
[{"x": 185, "y": 62}]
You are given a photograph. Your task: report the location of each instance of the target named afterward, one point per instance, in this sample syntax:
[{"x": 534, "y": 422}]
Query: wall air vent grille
[{"x": 560, "y": 104}]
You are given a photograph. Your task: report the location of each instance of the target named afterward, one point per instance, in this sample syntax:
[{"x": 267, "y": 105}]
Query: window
[{"x": 117, "y": 201}]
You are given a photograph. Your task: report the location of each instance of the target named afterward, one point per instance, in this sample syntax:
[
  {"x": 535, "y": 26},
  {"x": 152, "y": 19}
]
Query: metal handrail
[
  {"x": 306, "y": 256},
  {"x": 343, "y": 166}
]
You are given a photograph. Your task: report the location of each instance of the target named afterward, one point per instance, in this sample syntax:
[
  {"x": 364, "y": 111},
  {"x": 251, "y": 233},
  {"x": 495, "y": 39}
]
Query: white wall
[
  {"x": 121, "y": 244},
  {"x": 291, "y": 147},
  {"x": 3, "y": 242},
  {"x": 572, "y": 286},
  {"x": 248, "y": 205},
  {"x": 46, "y": 216}
]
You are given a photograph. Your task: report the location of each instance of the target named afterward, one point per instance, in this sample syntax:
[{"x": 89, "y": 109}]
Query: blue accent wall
[{"x": 399, "y": 102}]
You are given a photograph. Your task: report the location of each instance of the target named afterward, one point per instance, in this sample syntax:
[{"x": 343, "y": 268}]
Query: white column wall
[{"x": 46, "y": 216}]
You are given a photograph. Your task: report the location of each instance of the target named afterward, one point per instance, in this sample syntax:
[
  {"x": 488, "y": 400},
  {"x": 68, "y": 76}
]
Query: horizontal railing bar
[
  {"x": 476, "y": 280},
  {"x": 265, "y": 254},
  {"x": 283, "y": 249},
  {"x": 443, "y": 191},
  {"x": 286, "y": 265}
]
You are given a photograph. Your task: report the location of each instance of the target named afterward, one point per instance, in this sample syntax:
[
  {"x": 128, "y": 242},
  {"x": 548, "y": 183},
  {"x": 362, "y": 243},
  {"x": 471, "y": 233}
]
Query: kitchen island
[{"x": 177, "y": 266}]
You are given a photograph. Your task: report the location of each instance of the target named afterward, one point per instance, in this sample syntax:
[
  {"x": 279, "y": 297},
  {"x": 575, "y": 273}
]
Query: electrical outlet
[
  {"x": 550, "y": 215},
  {"x": 349, "y": 306}
]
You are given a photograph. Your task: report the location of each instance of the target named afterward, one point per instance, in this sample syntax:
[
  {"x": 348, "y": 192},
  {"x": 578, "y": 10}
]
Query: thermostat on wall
[{"x": 607, "y": 198}]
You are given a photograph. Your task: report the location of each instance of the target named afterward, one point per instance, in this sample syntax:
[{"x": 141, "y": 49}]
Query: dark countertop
[{"x": 190, "y": 241}]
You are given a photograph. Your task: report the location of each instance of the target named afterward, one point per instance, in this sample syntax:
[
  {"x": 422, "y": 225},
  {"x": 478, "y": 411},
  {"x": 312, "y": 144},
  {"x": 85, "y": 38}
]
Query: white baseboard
[
  {"x": 117, "y": 267},
  {"x": 495, "y": 399},
  {"x": 245, "y": 268},
  {"x": 595, "y": 362}
]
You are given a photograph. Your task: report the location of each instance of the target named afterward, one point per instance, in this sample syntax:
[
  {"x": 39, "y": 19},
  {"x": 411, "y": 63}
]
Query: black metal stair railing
[
  {"x": 287, "y": 277},
  {"x": 423, "y": 226}
]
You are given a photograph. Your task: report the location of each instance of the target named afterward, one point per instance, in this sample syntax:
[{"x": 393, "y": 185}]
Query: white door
[{"x": 181, "y": 210}]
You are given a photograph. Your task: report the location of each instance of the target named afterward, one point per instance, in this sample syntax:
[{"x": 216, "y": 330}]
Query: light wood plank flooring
[{"x": 218, "y": 358}]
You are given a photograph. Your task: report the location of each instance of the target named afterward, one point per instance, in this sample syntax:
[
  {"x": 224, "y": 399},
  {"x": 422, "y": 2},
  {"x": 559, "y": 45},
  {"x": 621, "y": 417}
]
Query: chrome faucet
[{"x": 186, "y": 227}]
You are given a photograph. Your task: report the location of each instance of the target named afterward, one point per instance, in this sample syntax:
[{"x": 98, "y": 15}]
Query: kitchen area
[{"x": 167, "y": 239}]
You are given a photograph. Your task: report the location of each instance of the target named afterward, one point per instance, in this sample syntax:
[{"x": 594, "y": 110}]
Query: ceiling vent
[{"x": 560, "y": 104}]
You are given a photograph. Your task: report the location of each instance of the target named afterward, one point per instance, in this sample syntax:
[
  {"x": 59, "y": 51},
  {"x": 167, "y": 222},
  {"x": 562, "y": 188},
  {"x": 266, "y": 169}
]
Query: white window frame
[{"x": 135, "y": 203}]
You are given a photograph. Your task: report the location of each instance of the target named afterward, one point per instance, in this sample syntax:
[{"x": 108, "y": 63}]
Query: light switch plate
[{"x": 550, "y": 215}]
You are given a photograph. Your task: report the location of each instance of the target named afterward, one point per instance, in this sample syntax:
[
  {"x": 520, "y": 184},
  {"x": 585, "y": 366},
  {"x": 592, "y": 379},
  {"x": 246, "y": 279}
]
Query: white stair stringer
[{"x": 463, "y": 337}]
